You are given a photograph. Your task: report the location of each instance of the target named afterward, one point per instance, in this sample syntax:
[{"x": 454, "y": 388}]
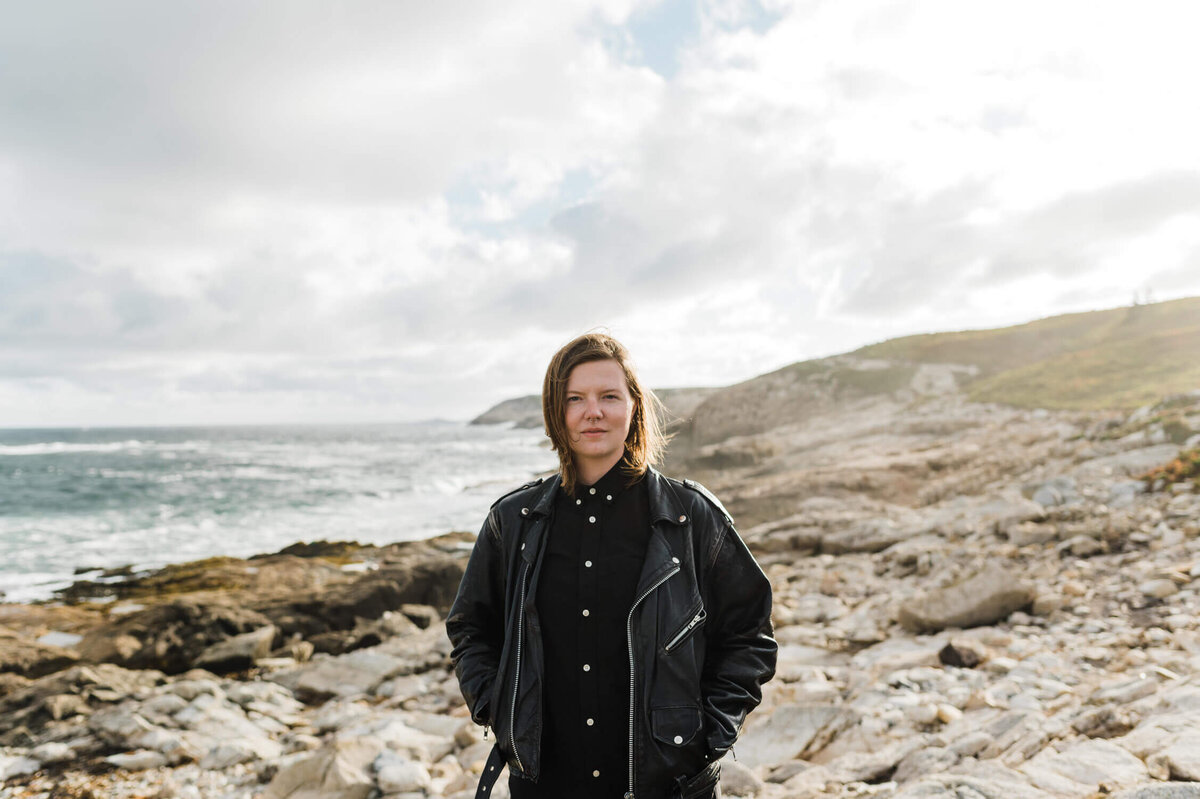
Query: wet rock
[{"x": 984, "y": 598}]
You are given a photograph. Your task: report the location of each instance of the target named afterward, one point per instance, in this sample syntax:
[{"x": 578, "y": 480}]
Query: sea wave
[{"x": 69, "y": 448}]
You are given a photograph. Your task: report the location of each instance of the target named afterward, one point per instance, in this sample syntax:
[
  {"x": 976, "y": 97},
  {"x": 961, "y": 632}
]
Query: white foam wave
[{"x": 66, "y": 447}]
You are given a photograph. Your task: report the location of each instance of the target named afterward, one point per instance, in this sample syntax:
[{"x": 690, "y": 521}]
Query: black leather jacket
[{"x": 698, "y": 635}]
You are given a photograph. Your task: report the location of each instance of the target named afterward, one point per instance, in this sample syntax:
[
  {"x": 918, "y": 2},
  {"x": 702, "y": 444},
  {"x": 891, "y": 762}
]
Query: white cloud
[{"x": 401, "y": 211}]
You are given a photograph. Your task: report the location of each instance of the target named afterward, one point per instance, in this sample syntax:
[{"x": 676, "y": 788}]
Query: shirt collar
[{"x": 606, "y": 489}]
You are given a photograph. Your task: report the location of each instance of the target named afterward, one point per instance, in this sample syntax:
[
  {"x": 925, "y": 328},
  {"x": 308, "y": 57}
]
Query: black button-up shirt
[{"x": 593, "y": 559}]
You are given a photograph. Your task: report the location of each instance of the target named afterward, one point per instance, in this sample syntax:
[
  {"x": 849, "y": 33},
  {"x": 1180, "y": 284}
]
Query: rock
[
  {"x": 238, "y": 652},
  {"x": 984, "y": 598},
  {"x": 871, "y": 535},
  {"x": 346, "y": 675},
  {"x": 227, "y": 754},
  {"x": 784, "y": 734},
  {"x": 1082, "y": 546},
  {"x": 1123, "y": 692},
  {"x": 138, "y": 761},
  {"x": 15, "y": 766},
  {"x": 167, "y": 637},
  {"x": 738, "y": 780},
  {"x": 1081, "y": 768},
  {"x": 1180, "y": 760},
  {"x": 53, "y": 752},
  {"x": 335, "y": 772},
  {"x": 31, "y": 659},
  {"x": 398, "y": 774},
  {"x": 1158, "y": 589},
  {"x": 1170, "y": 790},
  {"x": 961, "y": 654}
]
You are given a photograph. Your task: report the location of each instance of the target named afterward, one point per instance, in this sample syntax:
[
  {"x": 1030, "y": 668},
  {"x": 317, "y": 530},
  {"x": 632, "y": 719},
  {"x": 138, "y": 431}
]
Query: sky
[{"x": 228, "y": 212}]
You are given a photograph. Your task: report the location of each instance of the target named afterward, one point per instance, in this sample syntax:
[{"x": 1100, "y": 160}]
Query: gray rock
[
  {"x": 138, "y": 761},
  {"x": 984, "y": 598},
  {"x": 1169, "y": 790},
  {"x": 398, "y": 774},
  {"x": 16, "y": 765},
  {"x": 1180, "y": 760},
  {"x": 738, "y": 780},
  {"x": 239, "y": 652},
  {"x": 346, "y": 675},
  {"x": 784, "y": 735},
  {"x": 1081, "y": 767},
  {"x": 339, "y": 771}
]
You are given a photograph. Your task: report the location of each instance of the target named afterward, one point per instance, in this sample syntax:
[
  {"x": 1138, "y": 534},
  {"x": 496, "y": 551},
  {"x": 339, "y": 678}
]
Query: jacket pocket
[
  {"x": 686, "y": 630},
  {"x": 705, "y": 785},
  {"x": 676, "y": 726}
]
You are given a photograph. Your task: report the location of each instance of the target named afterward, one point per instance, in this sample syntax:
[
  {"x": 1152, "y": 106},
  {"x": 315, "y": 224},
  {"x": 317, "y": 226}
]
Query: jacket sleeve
[
  {"x": 476, "y": 621},
  {"x": 741, "y": 650}
]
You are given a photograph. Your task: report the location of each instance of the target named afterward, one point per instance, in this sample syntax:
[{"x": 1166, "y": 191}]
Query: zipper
[
  {"x": 512, "y": 716},
  {"x": 696, "y": 621},
  {"x": 632, "y": 678}
]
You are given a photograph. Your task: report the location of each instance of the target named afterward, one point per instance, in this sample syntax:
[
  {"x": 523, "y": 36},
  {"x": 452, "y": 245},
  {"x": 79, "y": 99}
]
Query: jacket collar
[{"x": 664, "y": 502}]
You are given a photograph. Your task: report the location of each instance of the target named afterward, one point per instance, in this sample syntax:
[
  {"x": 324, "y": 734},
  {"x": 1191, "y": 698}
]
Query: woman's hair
[{"x": 645, "y": 443}]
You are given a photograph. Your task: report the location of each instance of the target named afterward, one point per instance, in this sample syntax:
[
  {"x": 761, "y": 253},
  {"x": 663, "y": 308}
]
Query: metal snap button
[
  {"x": 678, "y": 739},
  {"x": 674, "y": 560},
  {"x": 683, "y": 518}
]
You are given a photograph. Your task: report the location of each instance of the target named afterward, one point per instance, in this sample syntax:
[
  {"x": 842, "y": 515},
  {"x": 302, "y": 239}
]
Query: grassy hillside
[{"x": 1119, "y": 358}]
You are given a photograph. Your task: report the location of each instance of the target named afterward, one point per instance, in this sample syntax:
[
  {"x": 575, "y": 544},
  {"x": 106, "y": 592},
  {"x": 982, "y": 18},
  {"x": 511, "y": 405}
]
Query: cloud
[{"x": 392, "y": 209}]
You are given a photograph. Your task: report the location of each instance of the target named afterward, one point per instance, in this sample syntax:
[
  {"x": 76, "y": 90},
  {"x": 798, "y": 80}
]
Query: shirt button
[
  {"x": 587, "y": 563},
  {"x": 596, "y": 773},
  {"x": 609, "y": 497},
  {"x": 591, "y": 491},
  {"x": 579, "y": 502},
  {"x": 586, "y": 667},
  {"x": 586, "y": 612},
  {"x": 592, "y": 519},
  {"x": 591, "y": 722},
  {"x": 678, "y": 739}
]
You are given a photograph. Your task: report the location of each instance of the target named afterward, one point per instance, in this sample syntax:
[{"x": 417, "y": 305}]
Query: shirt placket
[{"x": 589, "y": 588}]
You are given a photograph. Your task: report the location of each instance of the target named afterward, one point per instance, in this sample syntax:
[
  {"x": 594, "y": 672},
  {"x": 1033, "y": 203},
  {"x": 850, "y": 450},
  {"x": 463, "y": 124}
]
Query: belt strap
[{"x": 491, "y": 773}]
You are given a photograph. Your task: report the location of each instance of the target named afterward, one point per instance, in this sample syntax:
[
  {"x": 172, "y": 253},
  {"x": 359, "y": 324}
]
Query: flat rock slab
[
  {"x": 1162, "y": 790},
  {"x": 346, "y": 675},
  {"x": 785, "y": 734},
  {"x": 1080, "y": 769},
  {"x": 984, "y": 598}
]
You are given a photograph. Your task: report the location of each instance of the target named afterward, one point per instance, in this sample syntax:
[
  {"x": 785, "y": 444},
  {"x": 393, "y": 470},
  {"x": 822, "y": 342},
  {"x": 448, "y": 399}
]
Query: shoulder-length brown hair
[{"x": 645, "y": 443}]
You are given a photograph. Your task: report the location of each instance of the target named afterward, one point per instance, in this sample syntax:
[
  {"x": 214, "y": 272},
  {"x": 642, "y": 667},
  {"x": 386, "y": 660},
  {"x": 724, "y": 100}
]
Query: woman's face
[{"x": 599, "y": 411}]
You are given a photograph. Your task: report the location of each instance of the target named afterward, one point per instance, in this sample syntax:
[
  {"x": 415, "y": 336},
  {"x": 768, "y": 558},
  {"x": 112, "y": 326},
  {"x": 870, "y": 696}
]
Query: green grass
[{"x": 1118, "y": 358}]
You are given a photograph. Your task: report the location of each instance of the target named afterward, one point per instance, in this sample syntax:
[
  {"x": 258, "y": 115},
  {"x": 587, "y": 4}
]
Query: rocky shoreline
[{"x": 971, "y": 601}]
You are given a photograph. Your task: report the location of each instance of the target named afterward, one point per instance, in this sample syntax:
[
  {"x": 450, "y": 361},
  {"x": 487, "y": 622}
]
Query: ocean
[{"x": 84, "y": 499}]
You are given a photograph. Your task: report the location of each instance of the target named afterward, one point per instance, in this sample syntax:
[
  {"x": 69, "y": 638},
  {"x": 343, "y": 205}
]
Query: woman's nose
[{"x": 592, "y": 410}]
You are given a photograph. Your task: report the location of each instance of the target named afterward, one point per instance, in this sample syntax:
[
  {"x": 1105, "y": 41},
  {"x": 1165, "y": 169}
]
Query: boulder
[
  {"x": 339, "y": 771},
  {"x": 168, "y": 637},
  {"x": 983, "y": 598},
  {"x": 239, "y": 652},
  {"x": 32, "y": 659},
  {"x": 784, "y": 734}
]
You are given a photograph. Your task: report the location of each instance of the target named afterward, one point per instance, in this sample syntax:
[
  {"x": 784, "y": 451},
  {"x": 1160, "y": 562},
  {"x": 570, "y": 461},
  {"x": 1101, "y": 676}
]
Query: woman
[{"x": 611, "y": 626}]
